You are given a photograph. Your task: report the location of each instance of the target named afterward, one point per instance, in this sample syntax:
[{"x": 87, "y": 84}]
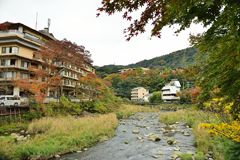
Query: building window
[
  {"x": 51, "y": 93},
  {"x": 72, "y": 82},
  {"x": 31, "y": 36},
  {"x": 9, "y": 49},
  {"x": 23, "y": 75},
  {"x": 5, "y": 62},
  {"x": 7, "y": 74},
  {"x": 72, "y": 75},
  {"x": 24, "y": 64}
]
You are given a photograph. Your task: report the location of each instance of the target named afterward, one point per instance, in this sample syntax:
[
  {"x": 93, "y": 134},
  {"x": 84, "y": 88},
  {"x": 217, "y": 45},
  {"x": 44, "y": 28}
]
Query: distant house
[
  {"x": 170, "y": 90},
  {"x": 138, "y": 93},
  {"x": 145, "y": 98}
]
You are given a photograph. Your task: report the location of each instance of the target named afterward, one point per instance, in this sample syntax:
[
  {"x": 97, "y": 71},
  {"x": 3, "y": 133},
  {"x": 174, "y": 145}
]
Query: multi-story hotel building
[
  {"x": 17, "y": 45},
  {"x": 138, "y": 93}
]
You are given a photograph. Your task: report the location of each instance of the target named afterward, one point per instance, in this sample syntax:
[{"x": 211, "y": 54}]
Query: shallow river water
[{"x": 116, "y": 149}]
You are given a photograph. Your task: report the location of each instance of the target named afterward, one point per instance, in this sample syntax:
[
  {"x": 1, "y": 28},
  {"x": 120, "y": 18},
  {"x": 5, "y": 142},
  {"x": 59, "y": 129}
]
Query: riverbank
[
  {"x": 139, "y": 137},
  {"x": 57, "y": 135}
]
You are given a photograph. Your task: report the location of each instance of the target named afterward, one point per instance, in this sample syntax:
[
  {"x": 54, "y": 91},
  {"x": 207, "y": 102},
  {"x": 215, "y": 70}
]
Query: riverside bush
[{"x": 186, "y": 156}]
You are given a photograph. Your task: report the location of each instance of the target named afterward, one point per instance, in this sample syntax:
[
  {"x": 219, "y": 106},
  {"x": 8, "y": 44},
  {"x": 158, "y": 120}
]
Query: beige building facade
[
  {"x": 138, "y": 93},
  {"x": 17, "y": 45}
]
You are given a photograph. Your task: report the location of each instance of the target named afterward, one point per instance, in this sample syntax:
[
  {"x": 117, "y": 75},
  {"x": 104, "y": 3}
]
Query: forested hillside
[{"x": 179, "y": 59}]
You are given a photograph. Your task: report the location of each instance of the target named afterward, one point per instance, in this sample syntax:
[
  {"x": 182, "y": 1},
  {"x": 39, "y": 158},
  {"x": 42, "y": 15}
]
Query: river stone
[
  {"x": 172, "y": 130},
  {"x": 79, "y": 151},
  {"x": 105, "y": 138},
  {"x": 139, "y": 138},
  {"x": 170, "y": 141},
  {"x": 20, "y": 138},
  {"x": 186, "y": 134},
  {"x": 154, "y": 156},
  {"x": 182, "y": 131},
  {"x": 124, "y": 123},
  {"x": 160, "y": 153},
  {"x": 14, "y": 135},
  {"x": 57, "y": 156},
  {"x": 163, "y": 144},
  {"x": 178, "y": 153},
  {"x": 154, "y": 138},
  {"x": 127, "y": 141},
  {"x": 135, "y": 131},
  {"x": 176, "y": 122},
  {"x": 85, "y": 149},
  {"x": 189, "y": 152},
  {"x": 163, "y": 129},
  {"x": 187, "y": 126},
  {"x": 124, "y": 130},
  {"x": 22, "y": 131},
  {"x": 147, "y": 127},
  {"x": 176, "y": 149}
]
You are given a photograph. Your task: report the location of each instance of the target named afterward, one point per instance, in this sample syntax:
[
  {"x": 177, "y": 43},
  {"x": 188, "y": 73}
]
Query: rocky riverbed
[{"x": 138, "y": 137}]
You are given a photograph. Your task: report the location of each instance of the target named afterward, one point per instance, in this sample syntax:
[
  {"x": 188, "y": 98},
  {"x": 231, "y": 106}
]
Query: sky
[{"x": 76, "y": 21}]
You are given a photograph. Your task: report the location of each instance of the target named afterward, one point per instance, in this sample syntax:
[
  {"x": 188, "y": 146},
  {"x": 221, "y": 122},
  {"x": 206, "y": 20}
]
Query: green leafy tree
[
  {"x": 219, "y": 63},
  {"x": 156, "y": 97}
]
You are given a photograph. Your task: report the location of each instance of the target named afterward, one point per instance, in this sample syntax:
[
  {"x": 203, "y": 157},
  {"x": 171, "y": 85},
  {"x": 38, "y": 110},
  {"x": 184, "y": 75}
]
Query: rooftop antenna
[
  {"x": 49, "y": 21},
  {"x": 36, "y": 20}
]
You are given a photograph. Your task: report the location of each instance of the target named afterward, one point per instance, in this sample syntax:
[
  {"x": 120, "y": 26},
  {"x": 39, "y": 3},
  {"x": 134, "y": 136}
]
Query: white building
[
  {"x": 145, "y": 98},
  {"x": 170, "y": 90}
]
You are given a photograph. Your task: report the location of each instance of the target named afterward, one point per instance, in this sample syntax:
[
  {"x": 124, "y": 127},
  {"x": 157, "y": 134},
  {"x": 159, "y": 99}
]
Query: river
[{"x": 147, "y": 124}]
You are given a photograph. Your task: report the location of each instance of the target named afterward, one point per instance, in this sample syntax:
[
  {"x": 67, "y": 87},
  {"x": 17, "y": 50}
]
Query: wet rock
[
  {"x": 127, "y": 141},
  {"x": 189, "y": 152},
  {"x": 79, "y": 151},
  {"x": 57, "y": 156},
  {"x": 186, "y": 134},
  {"x": 85, "y": 149},
  {"x": 176, "y": 122},
  {"x": 154, "y": 138},
  {"x": 170, "y": 141},
  {"x": 182, "y": 131},
  {"x": 172, "y": 130},
  {"x": 187, "y": 126},
  {"x": 22, "y": 131},
  {"x": 105, "y": 138},
  {"x": 141, "y": 141},
  {"x": 124, "y": 130},
  {"x": 14, "y": 135},
  {"x": 124, "y": 123},
  {"x": 154, "y": 156},
  {"x": 160, "y": 153},
  {"x": 147, "y": 127},
  {"x": 135, "y": 131},
  {"x": 20, "y": 138},
  {"x": 139, "y": 138},
  {"x": 176, "y": 154}
]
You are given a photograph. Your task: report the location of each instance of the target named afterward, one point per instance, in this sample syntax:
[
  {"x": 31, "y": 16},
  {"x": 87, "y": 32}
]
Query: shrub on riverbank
[
  {"x": 205, "y": 142},
  {"x": 60, "y": 135},
  {"x": 128, "y": 110}
]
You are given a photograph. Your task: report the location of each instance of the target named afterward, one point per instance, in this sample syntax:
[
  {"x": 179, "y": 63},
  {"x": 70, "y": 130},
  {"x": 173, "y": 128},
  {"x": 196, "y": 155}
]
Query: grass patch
[
  {"x": 128, "y": 110},
  {"x": 205, "y": 142},
  {"x": 59, "y": 135}
]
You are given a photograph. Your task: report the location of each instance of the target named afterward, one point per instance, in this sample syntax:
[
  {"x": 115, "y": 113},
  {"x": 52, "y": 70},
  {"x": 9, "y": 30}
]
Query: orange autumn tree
[
  {"x": 129, "y": 73},
  {"x": 58, "y": 60},
  {"x": 93, "y": 86},
  {"x": 195, "y": 93},
  {"x": 34, "y": 90}
]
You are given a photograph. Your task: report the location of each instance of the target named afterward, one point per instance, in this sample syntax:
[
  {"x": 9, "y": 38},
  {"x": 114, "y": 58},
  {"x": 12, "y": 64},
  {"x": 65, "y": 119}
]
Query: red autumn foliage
[{"x": 195, "y": 93}]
